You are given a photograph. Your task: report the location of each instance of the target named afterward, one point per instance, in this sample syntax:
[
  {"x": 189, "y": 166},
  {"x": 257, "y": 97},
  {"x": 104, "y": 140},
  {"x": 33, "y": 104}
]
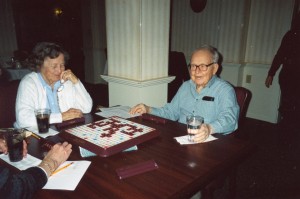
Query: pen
[
  {"x": 34, "y": 135},
  {"x": 58, "y": 170},
  {"x": 30, "y": 133}
]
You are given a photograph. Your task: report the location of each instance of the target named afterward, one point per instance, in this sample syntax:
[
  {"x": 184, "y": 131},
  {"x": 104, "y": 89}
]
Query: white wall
[{"x": 265, "y": 101}]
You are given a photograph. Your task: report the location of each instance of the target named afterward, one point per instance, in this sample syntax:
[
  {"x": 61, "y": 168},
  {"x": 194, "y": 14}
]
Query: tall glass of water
[{"x": 194, "y": 123}]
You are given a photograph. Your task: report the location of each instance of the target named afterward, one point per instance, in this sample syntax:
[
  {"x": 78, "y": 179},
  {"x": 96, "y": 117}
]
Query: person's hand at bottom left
[
  {"x": 3, "y": 147},
  {"x": 58, "y": 154}
]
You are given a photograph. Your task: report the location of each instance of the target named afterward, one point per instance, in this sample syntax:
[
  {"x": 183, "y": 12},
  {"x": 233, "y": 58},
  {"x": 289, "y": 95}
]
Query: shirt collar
[
  {"x": 44, "y": 83},
  {"x": 211, "y": 81}
]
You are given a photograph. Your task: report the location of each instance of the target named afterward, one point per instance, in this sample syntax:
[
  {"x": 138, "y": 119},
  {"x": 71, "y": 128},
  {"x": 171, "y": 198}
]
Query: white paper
[
  {"x": 25, "y": 163},
  {"x": 120, "y": 111},
  {"x": 35, "y": 130},
  {"x": 86, "y": 153},
  {"x": 184, "y": 139},
  {"x": 66, "y": 179}
]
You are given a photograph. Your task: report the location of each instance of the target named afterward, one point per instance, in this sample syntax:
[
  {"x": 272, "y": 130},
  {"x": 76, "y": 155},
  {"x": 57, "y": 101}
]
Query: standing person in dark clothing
[
  {"x": 25, "y": 183},
  {"x": 288, "y": 55}
]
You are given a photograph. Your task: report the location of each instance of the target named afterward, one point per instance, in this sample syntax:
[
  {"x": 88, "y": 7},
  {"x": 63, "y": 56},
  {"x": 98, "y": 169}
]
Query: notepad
[{"x": 69, "y": 178}]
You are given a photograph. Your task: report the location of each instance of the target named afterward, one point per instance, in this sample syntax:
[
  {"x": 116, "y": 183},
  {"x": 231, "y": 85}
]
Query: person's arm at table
[
  {"x": 227, "y": 113},
  {"x": 74, "y": 98},
  {"x": 25, "y": 183},
  {"x": 22, "y": 184},
  {"x": 140, "y": 108},
  {"x": 58, "y": 154}
]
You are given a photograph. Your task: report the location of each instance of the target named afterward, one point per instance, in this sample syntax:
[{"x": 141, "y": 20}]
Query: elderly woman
[{"x": 50, "y": 86}]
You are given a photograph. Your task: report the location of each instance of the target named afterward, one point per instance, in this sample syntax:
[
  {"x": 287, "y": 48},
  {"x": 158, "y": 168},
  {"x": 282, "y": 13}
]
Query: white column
[{"x": 138, "y": 51}]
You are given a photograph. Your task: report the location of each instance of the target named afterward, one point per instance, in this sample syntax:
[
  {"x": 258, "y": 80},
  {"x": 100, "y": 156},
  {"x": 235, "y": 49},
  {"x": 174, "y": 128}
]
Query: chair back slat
[{"x": 243, "y": 97}]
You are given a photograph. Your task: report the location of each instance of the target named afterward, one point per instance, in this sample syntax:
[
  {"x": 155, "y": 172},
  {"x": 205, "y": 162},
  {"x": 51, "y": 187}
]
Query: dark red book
[
  {"x": 135, "y": 169},
  {"x": 70, "y": 122},
  {"x": 153, "y": 118}
]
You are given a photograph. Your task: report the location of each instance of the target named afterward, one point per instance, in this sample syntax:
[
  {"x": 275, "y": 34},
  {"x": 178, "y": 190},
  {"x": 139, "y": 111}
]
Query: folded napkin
[
  {"x": 184, "y": 139},
  {"x": 35, "y": 130}
]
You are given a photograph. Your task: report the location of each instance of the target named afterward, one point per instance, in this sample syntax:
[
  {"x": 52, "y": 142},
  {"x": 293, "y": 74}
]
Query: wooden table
[{"x": 183, "y": 169}]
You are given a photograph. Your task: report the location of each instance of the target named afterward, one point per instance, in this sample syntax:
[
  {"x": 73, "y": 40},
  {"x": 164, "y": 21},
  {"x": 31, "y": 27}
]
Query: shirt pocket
[{"x": 207, "y": 110}]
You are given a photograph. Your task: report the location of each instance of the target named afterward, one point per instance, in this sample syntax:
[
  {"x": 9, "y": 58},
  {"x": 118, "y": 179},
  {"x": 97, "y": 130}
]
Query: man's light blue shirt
[{"x": 216, "y": 103}]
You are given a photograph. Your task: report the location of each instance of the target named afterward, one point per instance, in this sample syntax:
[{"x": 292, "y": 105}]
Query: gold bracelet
[
  {"x": 55, "y": 163},
  {"x": 48, "y": 166}
]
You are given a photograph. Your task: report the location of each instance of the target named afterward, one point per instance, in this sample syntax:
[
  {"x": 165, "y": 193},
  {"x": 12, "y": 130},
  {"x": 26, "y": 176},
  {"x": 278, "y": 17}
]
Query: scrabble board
[{"x": 109, "y": 136}]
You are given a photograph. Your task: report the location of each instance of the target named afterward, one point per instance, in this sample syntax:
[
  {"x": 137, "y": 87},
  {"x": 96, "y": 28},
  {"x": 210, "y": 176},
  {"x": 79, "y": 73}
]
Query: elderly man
[
  {"x": 204, "y": 94},
  {"x": 52, "y": 87}
]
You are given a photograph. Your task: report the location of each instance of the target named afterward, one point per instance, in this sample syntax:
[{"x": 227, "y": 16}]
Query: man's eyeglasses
[{"x": 202, "y": 67}]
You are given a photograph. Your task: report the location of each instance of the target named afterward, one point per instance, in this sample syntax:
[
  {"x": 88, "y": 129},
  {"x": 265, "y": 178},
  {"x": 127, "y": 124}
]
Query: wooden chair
[
  {"x": 243, "y": 96},
  {"x": 8, "y": 94}
]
